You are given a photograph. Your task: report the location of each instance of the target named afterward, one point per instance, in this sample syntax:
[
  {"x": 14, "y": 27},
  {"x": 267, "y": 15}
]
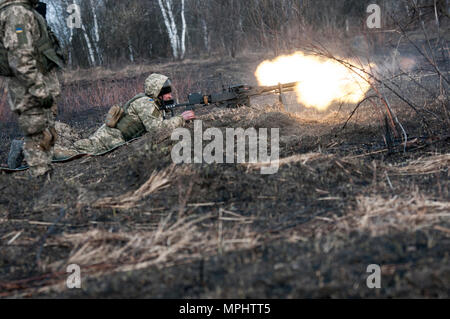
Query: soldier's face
[{"x": 167, "y": 97}]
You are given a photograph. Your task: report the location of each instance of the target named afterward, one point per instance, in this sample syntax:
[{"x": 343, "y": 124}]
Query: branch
[{"x": 356, "y": 109}]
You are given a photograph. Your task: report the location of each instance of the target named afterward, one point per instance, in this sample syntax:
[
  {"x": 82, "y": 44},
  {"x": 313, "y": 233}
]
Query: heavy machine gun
[{"x": 233, "y": 96}]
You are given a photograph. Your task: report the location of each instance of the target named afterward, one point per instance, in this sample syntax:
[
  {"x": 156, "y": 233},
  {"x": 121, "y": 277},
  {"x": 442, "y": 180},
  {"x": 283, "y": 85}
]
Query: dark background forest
[{"x": 113, "y": 32}]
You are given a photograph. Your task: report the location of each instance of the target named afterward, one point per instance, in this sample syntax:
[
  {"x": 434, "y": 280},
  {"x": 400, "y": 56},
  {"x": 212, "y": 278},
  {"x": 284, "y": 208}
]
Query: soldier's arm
[
  {"x": 151, "y": 117},
  {"x": 174, "y": 122},
  {"x": 19, "y": 40}
]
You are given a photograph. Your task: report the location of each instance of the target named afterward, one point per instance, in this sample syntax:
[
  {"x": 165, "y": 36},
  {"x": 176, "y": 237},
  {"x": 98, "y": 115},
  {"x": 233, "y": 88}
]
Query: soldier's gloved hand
[
  {"x": 47, "y": 102},
  {"x": 188, "y": 115}
]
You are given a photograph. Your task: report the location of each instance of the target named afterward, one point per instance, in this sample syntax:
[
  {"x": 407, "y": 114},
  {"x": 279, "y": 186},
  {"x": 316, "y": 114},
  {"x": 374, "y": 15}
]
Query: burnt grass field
[{"x": 141, "y": 227}]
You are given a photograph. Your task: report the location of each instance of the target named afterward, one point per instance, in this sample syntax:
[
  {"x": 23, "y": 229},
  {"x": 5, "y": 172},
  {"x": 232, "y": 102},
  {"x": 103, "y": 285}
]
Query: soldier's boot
[
  {"x": 15, "y": 157},
  {"x": 38, "y": 151},
  {"x": 89, "y": 146},
  {"x": 62, "y": 153}
]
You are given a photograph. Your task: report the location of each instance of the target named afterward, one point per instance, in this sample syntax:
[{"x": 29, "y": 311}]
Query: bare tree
[{"x": 177, "y": 42}]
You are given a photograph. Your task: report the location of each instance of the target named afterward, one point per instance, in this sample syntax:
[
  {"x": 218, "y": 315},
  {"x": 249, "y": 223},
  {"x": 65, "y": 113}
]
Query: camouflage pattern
[
  {"x": 142, "y": 111},
  {"x": 65, "y": 143},
  {"x": 104, "y": 139},
  {"x": 147, "y": 111},
  {"x": 66, "y": 135},
  {"x": 30, "y": 85},
  {"x": 154, "y": 84},
  {"x": 37, "y": 124},
  {"x": 69, "y": 142}
]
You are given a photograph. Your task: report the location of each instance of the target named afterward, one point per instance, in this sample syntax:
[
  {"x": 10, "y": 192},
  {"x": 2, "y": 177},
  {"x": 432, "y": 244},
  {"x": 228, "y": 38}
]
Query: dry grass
[
  {"x": 346, "y": 164},
  {"x": 428, "y": 165},
  {"x": 172, "y": 242},
  {"x": 131, "y": 70},
  {"x": 378, "y": 216},
  {"x": 156, "y": 182},
  {"x": 301, "y": 158},
  {"x": 98, "y": 93}
]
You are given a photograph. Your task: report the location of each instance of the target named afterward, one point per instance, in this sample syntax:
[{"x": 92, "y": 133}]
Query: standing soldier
[{"x": 29, "y": 57}]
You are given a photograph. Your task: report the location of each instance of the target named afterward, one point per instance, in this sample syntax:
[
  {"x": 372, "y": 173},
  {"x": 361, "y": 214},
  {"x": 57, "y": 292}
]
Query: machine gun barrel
[{"x": 287, "y": 87}]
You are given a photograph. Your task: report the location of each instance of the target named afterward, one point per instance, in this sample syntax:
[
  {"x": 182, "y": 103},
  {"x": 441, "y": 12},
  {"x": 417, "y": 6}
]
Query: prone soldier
[{"x": 143, "y": 113}]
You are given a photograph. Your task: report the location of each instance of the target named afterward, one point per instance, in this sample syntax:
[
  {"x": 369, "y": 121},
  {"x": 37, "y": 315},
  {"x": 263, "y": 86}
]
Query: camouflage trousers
[
  {"x": 38, "y": 126},
  {"x": 69, "y": 144},
  {"x": 104, "y": 139}
]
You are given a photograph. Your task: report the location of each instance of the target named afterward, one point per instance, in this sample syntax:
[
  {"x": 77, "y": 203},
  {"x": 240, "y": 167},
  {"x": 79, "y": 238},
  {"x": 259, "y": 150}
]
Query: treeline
[{"x": 113, "y": 32}]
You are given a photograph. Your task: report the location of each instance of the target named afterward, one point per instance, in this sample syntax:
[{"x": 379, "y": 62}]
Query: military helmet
[{"x": 154, "y": 85}]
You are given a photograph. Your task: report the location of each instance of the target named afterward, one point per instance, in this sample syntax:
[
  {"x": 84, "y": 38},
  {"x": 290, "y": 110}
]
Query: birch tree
[
  {"x": 89, "y": 45},
  {"x": 56, "y": 9},
  {"x": 177, "y": 42},
  {"x": 96, "y": 36}
]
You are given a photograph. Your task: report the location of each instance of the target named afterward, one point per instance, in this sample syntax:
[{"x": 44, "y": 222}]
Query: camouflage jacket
[
  {"x": 144, "y": 115},
  {"x": 19, "y": 33}
]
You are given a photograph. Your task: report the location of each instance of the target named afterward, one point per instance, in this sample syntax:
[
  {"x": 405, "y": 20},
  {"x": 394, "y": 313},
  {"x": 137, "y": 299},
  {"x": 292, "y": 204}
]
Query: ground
[{"x": 139, "y": 226}]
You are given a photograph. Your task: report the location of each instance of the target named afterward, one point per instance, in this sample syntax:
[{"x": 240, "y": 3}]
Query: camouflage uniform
[
  {"x": 30, "y": 85},
  {"x": 67, "y": 137},
  {"x": 141, "y": 116}
]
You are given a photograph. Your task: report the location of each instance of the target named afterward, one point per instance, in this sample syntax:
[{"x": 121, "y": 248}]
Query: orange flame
[{"x": 321, "y": 82}]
